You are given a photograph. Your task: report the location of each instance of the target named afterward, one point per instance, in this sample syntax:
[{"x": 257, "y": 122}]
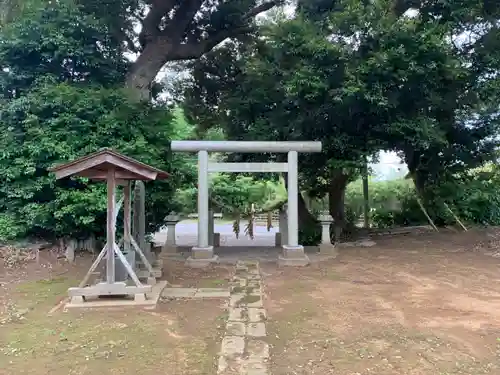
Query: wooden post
[
  {"x": 426, "y": 214},
  {"x": 139, "y": 225},
  {"x": 126, "y": 217},
  {"x": 456, "y": 217},
  {"x": 110, "y": 230},
  {"x": 366, "y": 198}
]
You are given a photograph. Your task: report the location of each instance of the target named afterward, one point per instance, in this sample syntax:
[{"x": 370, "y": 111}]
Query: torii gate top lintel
[{"x": 246, "y": 146}]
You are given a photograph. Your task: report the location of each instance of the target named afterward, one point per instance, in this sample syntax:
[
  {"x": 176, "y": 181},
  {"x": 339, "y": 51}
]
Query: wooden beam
[
  {"x": 75, "y": 168},
  {"x": 103, "y": 175},
  {"x": 147, "y": 173}
]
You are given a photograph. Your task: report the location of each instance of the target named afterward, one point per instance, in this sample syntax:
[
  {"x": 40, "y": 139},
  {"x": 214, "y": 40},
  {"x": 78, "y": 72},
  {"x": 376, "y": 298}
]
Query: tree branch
[
  {"x": 261, "y": 9},
  {"x": 183, "y": 17},
  {"x": 195, "y": 50},
  {"x": 150, "y": 23},
  {"x": 130, "y": 43}
]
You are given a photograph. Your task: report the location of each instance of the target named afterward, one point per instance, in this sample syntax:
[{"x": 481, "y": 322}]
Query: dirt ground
[
  {"x": 178, "y": 275},
  {"x": 415, "y": 305},
  {"x": 179, "y": 337},
  {"x": 424, "y": 304}
]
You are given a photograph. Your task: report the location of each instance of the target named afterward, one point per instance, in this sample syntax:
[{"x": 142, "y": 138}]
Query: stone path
[{"x": 244, "y": 350}]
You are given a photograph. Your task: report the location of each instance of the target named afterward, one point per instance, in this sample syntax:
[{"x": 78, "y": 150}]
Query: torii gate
[{"x": 203, "y": 254}]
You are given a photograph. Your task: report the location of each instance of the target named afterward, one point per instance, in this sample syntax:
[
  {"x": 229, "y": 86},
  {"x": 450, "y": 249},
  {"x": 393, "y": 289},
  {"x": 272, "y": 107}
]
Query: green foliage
[
  {"x": 59, "y": 122},
  {"x": 58, "y": 40},
  {"x": 310, "y": 235},
  {"x": 233, "y": 194},
  {"x": 473, "y": 197},
  {"x": 61, "y": 99},
  {"x": 476, "y": 198}
]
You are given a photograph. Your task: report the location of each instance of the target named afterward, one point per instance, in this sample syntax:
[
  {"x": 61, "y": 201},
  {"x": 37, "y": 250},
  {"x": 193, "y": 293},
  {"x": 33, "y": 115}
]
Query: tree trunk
[
  {"x": 306, "y": 219},
  {"x": 336, "y": 195},
  {"x": 145, "y": 69}
]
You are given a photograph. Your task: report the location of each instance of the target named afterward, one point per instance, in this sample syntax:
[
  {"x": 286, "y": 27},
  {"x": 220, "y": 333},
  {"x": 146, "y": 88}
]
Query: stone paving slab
[
  {"x": 236, "y": 329},
  {"x": 232, "y": 345},
  {"x": 236, "y": 314},
  {"x": 238, "y": 281},
  {"x": 253, "y": 277},
  {"x": 235, "y": 299},
  {"x": 256, "y": 315},
  {"x": 254, "y": 366},
  {"x": 256, "y": 329},
  {"x": 258, "y": 348},
  {"x": 228, "y": 366},
  {"x": 255, "y": 304}
]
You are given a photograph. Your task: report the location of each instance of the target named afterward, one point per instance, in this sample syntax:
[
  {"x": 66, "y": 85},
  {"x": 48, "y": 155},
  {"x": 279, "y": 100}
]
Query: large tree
[
  {"x": 363, "y": 78},
  {"x": 161, "y": 31}
]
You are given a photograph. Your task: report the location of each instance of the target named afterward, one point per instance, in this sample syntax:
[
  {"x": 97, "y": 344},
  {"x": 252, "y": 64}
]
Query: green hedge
[{"x": 475, "y": 199}]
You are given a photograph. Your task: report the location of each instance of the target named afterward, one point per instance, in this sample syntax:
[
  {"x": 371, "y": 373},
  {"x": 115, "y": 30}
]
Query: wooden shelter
[{"x": 115, "y": 169}]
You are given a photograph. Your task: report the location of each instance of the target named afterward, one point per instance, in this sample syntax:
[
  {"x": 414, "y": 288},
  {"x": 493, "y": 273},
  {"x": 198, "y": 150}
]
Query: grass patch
[
  {"x": 211, "y": 283},
  {"x": 94, "y": 341}
]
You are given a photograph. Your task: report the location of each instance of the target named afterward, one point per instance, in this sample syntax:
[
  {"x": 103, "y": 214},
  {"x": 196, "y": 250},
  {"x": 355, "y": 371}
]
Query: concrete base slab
[
  {"x": 144, "y": 273},
  {"x": 293, "y": 262},
  {"x": 195, "y": 293},
  {"x": 116, "y": 289},
  {"x": 146, "y": 300},
  {"x": 202, "y": 252},
  {"x": 201, "y": 263},
  {"x": 178, "y": 292},
  {"x": 293, "y": 251},
  {"x": 207, "y": 293}
]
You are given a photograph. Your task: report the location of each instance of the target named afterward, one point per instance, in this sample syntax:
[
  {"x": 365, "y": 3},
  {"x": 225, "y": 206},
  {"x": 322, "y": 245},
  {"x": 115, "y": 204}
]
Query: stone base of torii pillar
[{"x": 202, "y": 257}]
